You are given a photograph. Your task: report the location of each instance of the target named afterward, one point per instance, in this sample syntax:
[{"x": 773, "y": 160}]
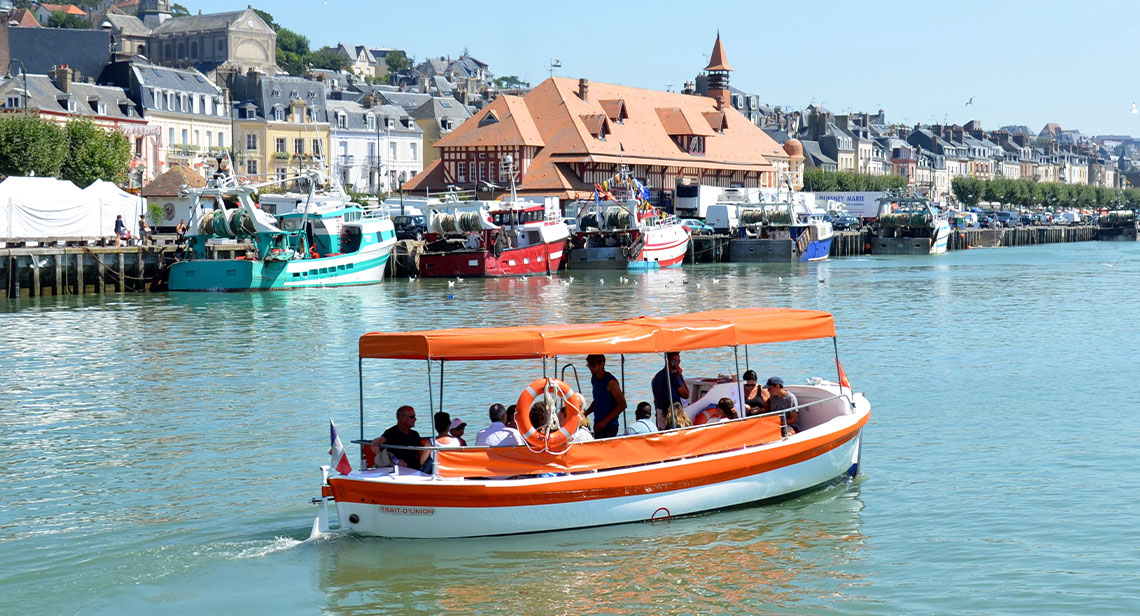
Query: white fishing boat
[
  {"x": 552, "y": 483},
  {"x": 619, "y": 229},
  {"x": 914, "y": 226},
  {"x": 786, "y": 228}
]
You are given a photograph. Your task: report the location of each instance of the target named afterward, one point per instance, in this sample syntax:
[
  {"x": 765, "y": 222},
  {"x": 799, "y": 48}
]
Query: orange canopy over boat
[{"x": 683, "y": 332}]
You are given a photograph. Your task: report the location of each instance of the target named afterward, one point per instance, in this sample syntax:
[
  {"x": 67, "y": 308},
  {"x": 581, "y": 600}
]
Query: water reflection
[{"x": 789, "y": 555}]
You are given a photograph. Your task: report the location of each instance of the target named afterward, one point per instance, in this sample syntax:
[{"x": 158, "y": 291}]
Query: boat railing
[{"x": 434, "y": 449}]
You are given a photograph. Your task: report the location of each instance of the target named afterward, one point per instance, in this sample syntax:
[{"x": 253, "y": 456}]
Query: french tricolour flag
[{"x": 339, "y": 458}]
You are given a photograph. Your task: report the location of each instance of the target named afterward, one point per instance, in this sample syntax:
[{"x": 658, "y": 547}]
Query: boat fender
[{"x": 559, "y": 391}]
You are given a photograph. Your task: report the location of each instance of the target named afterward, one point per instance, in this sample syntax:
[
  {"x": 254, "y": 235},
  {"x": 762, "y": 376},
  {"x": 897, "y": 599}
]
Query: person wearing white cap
[{"x": 457, "y": 428}]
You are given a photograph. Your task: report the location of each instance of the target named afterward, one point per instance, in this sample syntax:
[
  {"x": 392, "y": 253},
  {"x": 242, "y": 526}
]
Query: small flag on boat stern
[
  {"x": 339, "y": 458},
  {"x": 843, "y": 382}
]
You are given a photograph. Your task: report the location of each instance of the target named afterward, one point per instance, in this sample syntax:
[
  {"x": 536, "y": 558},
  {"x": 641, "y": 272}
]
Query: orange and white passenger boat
[{"x": 548, "y": 485}]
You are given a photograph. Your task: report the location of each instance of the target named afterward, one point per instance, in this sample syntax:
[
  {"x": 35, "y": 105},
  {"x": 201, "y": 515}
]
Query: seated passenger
[
  {"x": 402, "y": 435},
  {"x": 755, "y": 397},
  {"x": 780, "y": 399},
  {"x": 727, "y": 408},
  {"x": 498, "y": 434},
  {"x": 442, "y": 438},
  {"x": 644, "y": 423},
  {"x": 794, "y": 422},
  {"x": 674, "y": 418},
  {"x": 582, "y": 434},
  {"x": 456, "y": 429},
  {"x": 511, "y": 423}
]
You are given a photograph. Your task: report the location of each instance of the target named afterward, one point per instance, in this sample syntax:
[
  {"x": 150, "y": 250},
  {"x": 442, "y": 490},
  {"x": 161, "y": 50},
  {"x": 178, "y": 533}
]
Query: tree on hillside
[
  {"x": 509, "y": 82},
  {"x": 93, "y": 154},
  {"x": 59, "y": 19},
  {"x": 177, "y": 10},
  {"x": 397, "y": 63},
  {"x": 328, "y": 58},
  {"x": 29, "y": 144}
]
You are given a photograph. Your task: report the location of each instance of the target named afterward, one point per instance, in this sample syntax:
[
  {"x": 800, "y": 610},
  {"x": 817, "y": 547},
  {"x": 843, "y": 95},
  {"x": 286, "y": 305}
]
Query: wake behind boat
[
  {"x": 330, "y": 241},
  {"x": 553, "y": 483}
]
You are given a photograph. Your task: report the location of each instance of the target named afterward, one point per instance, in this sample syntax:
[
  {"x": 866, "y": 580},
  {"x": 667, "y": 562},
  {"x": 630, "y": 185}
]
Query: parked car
[
  {"x": 410, "y": 227},
  {"x": 571, "y": 223},
  {"x": 697, "y": 227},
  {"x": 842, "y": 221},
  {"x": 985, "y": 222}
]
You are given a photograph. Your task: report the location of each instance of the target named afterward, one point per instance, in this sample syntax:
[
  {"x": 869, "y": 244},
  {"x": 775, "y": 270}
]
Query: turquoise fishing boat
[{"x": 328, "y": 241}]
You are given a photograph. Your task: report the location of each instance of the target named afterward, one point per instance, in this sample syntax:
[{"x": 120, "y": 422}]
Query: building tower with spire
[
  {"x": 153, "y": 12},
  {"x": 718, "y": 70}
]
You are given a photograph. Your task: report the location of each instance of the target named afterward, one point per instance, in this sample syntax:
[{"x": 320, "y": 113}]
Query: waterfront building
[
  {"x": 375, "y": 147},
  {"x": 44, "y": 10},
  {"x": 188, "y": 112},
  {"x": 58, "y": 98},
  {"x": 565, "y": 135},
  {"x": 280, "y": 125},
  {"x": 814, "y": 158},
  {"x": 234, "y": 41}
]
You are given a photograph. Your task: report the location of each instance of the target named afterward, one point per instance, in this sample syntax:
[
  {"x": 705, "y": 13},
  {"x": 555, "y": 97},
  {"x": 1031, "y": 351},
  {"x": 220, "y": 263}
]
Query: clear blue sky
[{"x": 1023, "y": 62}]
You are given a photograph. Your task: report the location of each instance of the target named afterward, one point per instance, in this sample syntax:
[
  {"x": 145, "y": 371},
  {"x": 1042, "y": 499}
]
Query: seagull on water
[
  {"x": 450, "y": 283},
  {"x": 601, "y": 281},
  {"x": 716, "y": 280},
  {"x": 458, "y": 279}
]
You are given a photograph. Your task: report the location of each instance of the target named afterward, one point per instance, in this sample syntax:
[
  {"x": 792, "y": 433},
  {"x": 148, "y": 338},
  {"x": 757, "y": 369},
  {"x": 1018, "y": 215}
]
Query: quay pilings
[
  {"x": 1020, "y": 236},
  {"x": 54, "y": 268},
  {"x": 708, "y": 249}
]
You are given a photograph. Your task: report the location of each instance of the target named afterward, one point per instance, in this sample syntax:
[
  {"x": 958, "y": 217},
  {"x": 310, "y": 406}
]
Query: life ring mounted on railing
[{"x": 560, "y": 392}]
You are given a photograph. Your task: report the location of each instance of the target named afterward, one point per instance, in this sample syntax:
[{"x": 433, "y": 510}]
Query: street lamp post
[{"x": 23, "y": 74}]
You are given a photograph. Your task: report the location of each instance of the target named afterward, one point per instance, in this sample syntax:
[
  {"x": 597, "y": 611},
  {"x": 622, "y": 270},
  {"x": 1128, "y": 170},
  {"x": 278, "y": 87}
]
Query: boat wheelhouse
[
  {"x": 479, "y": 491},
  {"x": 1117, "y": 226}
]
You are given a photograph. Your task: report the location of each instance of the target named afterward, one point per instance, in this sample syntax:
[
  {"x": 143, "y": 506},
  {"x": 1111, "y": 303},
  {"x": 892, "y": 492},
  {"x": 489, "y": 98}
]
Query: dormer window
[
  {"x": 279, "y": 114},
  {"x": 341, "y": 120},
  {"x": 370, "y": 121},
  {"x": 276, "y": 92}
]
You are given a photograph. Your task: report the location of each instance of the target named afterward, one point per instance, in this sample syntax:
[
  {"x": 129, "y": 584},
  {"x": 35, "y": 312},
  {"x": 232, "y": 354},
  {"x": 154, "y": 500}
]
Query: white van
[{"x": 724, "y": 218}]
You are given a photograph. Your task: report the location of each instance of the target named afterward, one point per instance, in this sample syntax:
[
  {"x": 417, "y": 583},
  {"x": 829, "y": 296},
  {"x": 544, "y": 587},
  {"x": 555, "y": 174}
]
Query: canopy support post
[
  {"x": 741, "y": 412},
  {"x": 544, "y": 369},
  {"x": 747, "y": 364},
  {"x": 440, "y": 389},
  {"x": 360, "y": 377},
  {"x": 431, "y": 401},
  {"x": 624, "y": 421}
]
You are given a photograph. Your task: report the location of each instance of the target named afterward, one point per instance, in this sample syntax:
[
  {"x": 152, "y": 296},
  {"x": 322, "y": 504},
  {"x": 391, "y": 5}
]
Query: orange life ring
[
  {"x": 559, "y": 391},
  {"x": 703, "y": 417}
]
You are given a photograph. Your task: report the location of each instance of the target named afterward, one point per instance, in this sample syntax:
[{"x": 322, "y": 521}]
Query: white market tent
[{"x": 41, "y": 207}]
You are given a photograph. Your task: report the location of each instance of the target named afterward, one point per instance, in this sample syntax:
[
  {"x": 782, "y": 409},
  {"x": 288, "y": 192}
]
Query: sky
[{"x": 1021, "y": 62}]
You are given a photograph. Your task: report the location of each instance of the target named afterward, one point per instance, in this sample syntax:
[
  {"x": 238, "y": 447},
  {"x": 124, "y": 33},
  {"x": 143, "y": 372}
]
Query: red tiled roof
[
  {"x": 615, "y": 109},
  {"x": 25, "y": 18},
  {"x": 68, "y": 9},
  {"x": 562, "y": 124}
]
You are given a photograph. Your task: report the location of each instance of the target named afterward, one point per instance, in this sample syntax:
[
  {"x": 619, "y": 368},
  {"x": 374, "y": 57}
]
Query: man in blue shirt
[
  {"x": 668, "y": 380},
  {"x": 609, "y": 401}
]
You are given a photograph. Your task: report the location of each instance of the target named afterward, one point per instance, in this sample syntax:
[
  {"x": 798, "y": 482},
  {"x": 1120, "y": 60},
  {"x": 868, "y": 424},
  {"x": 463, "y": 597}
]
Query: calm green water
[{"x": 157, "y": 453}]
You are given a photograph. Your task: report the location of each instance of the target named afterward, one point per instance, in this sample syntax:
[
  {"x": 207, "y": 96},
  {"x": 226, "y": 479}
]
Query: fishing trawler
[
  {"x": 551, "y": 482},
  {"x": 510, "y": 237},
  {"x": 1117, "y": 226},
  {"x": 329, "y": 241},
  {"x": 784, "y": 229},
  {"x": 914, "y": 226},
  {"x": 619, "y": 229}
]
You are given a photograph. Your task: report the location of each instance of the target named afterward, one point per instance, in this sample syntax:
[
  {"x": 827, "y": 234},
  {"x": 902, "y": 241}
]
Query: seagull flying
[
  {"x": 1134, "y": 110},
  {"x": 450, "y": 283},
  {"x": 970, "y": 102}
]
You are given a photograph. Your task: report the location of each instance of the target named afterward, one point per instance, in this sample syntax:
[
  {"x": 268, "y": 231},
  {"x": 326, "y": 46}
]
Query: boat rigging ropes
[{"x": 556, "y": 394}]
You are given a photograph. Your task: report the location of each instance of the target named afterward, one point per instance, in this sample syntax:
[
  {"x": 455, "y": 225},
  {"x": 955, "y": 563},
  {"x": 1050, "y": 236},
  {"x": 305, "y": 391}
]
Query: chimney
[
  {"x": 368, "y": 101},
  {"x": 62, "y": 77},
  {"x": 584, "y": 89}
]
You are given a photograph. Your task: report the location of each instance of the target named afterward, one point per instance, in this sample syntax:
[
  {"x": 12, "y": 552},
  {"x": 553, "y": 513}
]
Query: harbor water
[{"x": 158, "y": 451}]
